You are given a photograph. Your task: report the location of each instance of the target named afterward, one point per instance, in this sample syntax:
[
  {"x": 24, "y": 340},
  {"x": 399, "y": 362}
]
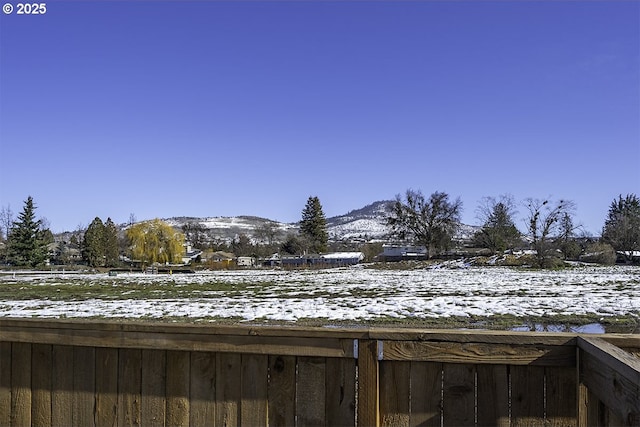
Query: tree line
[
  {"x": 414, "y": 218},
  {"x": 551, "y": 230}
]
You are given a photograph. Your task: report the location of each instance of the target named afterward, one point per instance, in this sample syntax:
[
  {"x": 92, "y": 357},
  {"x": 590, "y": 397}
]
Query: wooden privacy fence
[{"x": 86, "y": 373}]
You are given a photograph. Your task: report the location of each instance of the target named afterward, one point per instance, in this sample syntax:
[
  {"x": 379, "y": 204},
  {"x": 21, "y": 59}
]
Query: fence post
[{"x": 368, "y": 384}]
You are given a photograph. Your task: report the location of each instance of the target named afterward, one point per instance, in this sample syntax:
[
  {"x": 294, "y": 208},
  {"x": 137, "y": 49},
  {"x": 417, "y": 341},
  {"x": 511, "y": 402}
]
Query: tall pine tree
[
  {"x": 93, "y": 246},
  {"x": 622, "y": 226},
  {"x": 27, "y": 245},
  {"x": 111, "y": 248},
  {"x": 313, "y": 226}
]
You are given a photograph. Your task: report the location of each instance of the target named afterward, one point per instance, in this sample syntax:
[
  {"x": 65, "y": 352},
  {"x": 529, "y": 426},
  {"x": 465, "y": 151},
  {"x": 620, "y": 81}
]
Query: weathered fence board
[
  {"x": 228, "y": 389},
  {"x": 253, "y": 409},
  {"x": 83, "y": 385},
  {"x": 341, "y": 391},
  {"x": 614, "y": 376},
  {"x": 527, "y": 395},
  {"x": 153, "y": 387},
  {"x": 41, "y": 355},
  {"x": 129, "y": 387},
  {"x": 561, "y": 396},
  {"x": 493, "y": 395},
  {"x": 368, "y": 384},
  {"x": 458, "y": 394},
  {"x": 282, "y": 390},
  {"x": 106, "y": 405},
  {"x": 203, "y": 389},
  {"x": 178, "y": 374},
  {"x": 426, "y": 394},
  {"x": 395, "y": 393},
  {"x": 21, "y": 384},
  {"x": 311, "y": 391},
  {"x": 481, "y": 353},
  {"x": 62, "y": 383}
]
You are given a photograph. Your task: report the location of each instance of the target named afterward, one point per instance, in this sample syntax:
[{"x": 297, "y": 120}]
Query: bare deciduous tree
[
  {"x": 6, "y": 221},
  {"x": 430, "y": 222},
  {"x": 547, "y": 227}
]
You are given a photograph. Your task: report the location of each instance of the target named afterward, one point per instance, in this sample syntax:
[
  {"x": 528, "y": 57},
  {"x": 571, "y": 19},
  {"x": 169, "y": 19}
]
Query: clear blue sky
[{"x": 211, "y": 108}]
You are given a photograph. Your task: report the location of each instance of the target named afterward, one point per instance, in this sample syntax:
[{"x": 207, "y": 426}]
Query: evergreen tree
[
  {"x": 292, "y": 245},
  {"x": 27, "y": 245},
  {"x": 93, "y": 246},
  {"x": 622, "y": 226},
  {"x": 111, "y": 247},
  {"x": 498, "y": 231},
  {"x": 313, "y": 226}
]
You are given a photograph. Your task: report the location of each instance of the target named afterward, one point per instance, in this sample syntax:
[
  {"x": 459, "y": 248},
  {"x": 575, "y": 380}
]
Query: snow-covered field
[{"x": 347, "y": 294}]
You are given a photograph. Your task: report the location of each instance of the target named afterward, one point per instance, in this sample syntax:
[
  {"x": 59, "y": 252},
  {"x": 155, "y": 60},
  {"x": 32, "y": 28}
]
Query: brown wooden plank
[
  {"x": 84, "y": 385},
  {"x": 178, "y": 376},
  {"x": 481, "y": 353},
  {"x": 254, "y": 344},
  {"x": 472, "y": 336},
  {"x": 368, "y": 384},
  {"x": 129, "y": 387},
  {"x": 62, "y": 386},
  {"x": 458, "y": 395},
  {"x": 613, "y": 375},
  {"x": 493, "y": 395},
  {"x": 5, "y": 383},
  {"x": 527, "y": 396},
  {"x": 596, "y": 411},
  {"x": 106, "y": 410},
  {"x": 426, "y": 394},
  {"x": 394, "y": 393},
  {"x": 341, "y": 392},
  {"x": 228, "y": 389},
  {"x": 203, "y": 389},
  {"x": 77, "y": 327},
  {"x": 41, "y": 362},
  {"x": 153, "y": 388},
  {"x": 561, "y": 397},
  {"x": 311, "y": 391},
  {"x": 589, "y": 413},
  {"x": 255, "y": 372},
  {"x": 282, "y": 390},
  {"x": 21, "y": 384}
]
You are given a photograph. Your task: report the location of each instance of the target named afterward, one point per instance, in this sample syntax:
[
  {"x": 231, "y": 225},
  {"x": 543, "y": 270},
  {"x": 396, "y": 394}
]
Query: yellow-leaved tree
[{"x": 155, "y": 241}]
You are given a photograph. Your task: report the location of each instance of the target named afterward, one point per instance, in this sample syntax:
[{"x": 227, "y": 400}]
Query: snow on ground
[{"x": 355, "y": 293}]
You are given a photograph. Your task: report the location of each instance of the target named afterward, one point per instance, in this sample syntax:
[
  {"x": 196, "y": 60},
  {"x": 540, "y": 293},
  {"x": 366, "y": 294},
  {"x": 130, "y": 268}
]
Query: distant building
[
  {"x": 334, "y": 259},
  {"x": 342, "y": 258},
  {"x": 245, "y": 261},
  {"x": 403, "y": 253}
]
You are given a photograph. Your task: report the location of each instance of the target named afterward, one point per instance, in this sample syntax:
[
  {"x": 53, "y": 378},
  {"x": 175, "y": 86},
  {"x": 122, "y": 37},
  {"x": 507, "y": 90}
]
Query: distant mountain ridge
[{"x": 359, "y": 225}]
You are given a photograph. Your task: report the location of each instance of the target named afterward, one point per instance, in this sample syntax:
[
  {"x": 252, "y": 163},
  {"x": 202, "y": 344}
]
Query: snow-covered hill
[{"x": 362, "y": 225}]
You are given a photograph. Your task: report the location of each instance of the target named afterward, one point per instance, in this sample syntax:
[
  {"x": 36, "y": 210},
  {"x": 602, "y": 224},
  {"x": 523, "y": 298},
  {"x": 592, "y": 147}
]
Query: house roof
[{"x": 344, "y": 255}]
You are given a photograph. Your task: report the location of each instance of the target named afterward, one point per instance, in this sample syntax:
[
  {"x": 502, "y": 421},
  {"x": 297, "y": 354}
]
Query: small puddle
[{"x": 591, "y": 328}]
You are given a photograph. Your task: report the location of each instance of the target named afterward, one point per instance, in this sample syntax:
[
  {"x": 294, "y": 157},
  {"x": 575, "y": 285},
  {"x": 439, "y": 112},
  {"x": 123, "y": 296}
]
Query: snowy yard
[{"x": 355, "y": 294}]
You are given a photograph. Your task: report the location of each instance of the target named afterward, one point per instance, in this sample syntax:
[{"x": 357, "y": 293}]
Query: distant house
[
  {"x": 295, "y": 261},
  {"x": 189, "y": 257},
  {"x": 334, "y": 259},
  {"x": 342, "y": 258},
  {"x": 245, "y": 261},
  {"x": 273, "y": 261},
  {"x": 628, "y": 257},
  {"x": 220, "y": 256},
  {"x": 403, "y": 253}
]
